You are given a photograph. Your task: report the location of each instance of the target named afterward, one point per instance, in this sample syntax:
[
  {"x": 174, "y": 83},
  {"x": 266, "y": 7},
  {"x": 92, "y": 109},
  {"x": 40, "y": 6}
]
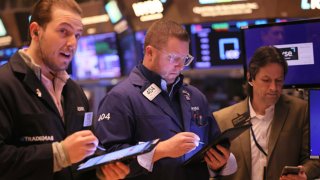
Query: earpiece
[
  {"x": 250, "y": 80},
  {"x": 35, "y": 33}
]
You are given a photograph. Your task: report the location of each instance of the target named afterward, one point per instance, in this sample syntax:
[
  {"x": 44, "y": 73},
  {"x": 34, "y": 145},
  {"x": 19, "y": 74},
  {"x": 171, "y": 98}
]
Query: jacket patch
[
  {"x": 37, "y": 138},
  {"x": 80, "y": 108},
  {"x": 104, "y": 116}
]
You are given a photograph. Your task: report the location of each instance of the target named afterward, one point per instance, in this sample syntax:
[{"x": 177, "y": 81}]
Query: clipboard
[
  {"x": 120, "y": 155},
  {"x": 223, "y": 139}
]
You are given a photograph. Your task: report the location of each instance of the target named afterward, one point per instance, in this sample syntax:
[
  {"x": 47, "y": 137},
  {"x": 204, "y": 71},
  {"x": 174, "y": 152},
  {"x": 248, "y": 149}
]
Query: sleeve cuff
[
  {"x": 60, "y": 157},
  {"x": 145, "y": 160}
]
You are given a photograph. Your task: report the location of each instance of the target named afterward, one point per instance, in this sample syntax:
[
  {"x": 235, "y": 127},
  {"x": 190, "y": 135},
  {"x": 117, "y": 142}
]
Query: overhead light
[
  {"x": 95, "y": 19},
  {"x": 2, "y": 29},
  {"x": 217, "y": 1},
  {"x": 91, "y": 30},
  {"x": 148, "y": 10},
  {"x": 151, "y": 17},
  {"x": 311, "y": 4},
  {"x": 226, "y": 9}
]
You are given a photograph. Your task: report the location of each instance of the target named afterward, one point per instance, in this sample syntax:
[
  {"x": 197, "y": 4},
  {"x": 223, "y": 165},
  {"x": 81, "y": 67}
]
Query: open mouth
[{"x": 66, "y": 54}]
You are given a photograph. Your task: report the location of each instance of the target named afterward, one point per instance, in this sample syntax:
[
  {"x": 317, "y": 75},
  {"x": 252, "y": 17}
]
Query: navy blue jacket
[
  {"x": 126, "y": 117},
  {"x": 30, "y": 123}
]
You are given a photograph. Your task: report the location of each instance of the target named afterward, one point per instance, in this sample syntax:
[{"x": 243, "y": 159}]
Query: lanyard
[
  {"x": 257, "y": 144},
  {"x": 261, "y": 150}
]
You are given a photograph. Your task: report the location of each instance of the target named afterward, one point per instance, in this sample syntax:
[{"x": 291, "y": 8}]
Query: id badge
[{"x": 87, "y": 120}]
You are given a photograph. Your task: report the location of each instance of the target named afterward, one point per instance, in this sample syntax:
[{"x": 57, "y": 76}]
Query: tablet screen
[
  {"x": 223, "y": 139},
  {"x": 119, "y": 155}
]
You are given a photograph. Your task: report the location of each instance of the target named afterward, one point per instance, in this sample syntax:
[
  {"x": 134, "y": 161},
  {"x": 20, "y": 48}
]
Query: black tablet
[
  {"x": 223, "y": 139},
  {"x": 120, "y": 155}
]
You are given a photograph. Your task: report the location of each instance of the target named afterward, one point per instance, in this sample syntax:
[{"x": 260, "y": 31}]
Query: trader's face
[
  {"x": 267, "y": 85},
  {"x": 58, "y": 40},
  {"x": 169, "y": 61}
]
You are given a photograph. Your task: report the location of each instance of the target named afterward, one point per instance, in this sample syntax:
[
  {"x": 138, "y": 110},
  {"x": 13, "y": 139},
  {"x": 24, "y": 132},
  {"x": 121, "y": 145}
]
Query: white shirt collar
[{"x": 253, "y": 114}]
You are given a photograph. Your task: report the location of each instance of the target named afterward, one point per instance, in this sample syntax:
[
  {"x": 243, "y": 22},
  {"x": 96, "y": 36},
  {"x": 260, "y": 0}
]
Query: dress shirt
[{"x": 261, "y": 126}]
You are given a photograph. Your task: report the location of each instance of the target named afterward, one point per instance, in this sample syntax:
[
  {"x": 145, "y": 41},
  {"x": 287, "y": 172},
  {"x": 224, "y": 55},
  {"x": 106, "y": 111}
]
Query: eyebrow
[{"x": 70, "y": 26}]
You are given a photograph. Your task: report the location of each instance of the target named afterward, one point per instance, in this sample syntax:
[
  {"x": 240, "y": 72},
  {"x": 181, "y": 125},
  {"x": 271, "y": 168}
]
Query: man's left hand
[
  {"x": 115, "y": 171},
  {"x": 215, "y": 160},
  {"x": 301, "y": 176}
]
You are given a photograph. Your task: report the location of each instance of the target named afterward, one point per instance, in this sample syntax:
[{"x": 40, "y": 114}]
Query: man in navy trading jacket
[
  {"x": 41, "y": 109},
  {"x": 154, "y": 103}
]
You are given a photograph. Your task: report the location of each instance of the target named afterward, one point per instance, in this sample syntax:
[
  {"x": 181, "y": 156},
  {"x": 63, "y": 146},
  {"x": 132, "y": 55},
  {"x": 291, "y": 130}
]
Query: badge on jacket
[
  {"x": 39, "y": 94},
  {"x": 152, "y": 92},
  {"x": 87, "y": 121}
]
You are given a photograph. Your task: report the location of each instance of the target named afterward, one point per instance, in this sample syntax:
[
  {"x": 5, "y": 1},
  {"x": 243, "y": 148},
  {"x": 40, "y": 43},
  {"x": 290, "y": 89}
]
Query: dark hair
[
  {"x": 161, "y": 30},
  {"x": 42, "y": 10},
  {"x": 263, "y": 56}
]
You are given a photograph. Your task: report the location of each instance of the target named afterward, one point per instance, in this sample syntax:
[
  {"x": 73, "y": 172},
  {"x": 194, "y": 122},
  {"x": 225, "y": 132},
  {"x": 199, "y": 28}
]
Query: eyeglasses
[{"x": 176, "y": 58}]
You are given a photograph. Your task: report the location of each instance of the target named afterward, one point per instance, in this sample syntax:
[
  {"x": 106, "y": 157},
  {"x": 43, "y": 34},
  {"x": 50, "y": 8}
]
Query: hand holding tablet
[{"x": 120, "y": 155}]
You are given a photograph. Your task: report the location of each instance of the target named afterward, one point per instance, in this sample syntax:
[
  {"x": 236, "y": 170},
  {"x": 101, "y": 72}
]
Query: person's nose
[
  {"x": 273, "y": 86},
  {"x": 72, "y": 43}
]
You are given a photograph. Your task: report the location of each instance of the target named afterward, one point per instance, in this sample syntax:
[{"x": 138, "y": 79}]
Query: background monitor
[
  {"x": 97, "y": 57},
  {"x": 140, "y": 36},
  {"x": 299, "y": 42},
  {"x": 314, "y": 114},
  {"x": 130, "y": 56},
  {"x": 218, "y": 44},
  {"x": 5, "y": 54}
]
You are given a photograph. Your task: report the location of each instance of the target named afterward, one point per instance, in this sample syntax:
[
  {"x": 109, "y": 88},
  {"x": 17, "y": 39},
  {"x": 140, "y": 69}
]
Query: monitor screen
[
  {"x": 299, "y": 42},
  {"x": 130, "y": 56},
  {"x": 5, "y": 54},
  {"x": 314, "y": 114},
  {"x": 140, "y": 36},
  {"x": 219, "y": 43},
  {"x": 97, "y": 57}
]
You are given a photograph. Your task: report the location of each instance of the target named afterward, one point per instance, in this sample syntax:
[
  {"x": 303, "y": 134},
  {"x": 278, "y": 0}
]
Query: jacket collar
[
  {"x": 138, "y": 79},
  {"x": 29, "y": 78}
]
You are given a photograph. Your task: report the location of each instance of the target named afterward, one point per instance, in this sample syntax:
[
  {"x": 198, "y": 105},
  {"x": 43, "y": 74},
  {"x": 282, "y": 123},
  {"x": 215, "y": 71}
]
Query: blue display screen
[
  {"x": 130, "y": 56},
  {"x": 97, "y": 57},
  {"x": 314, "y": 112},
  {"x": 299, "y": 42},
  {"x": 5, "y": 54}
]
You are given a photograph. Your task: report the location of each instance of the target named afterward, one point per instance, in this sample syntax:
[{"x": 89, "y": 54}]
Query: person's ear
[
  {"x": 34, "y": 29},
  {"x": 149, "y": 52},
  {"x": 249, "y": 77}
]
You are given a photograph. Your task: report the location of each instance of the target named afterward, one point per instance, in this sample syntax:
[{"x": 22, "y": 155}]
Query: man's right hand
[
  {"x": 176, "y": 146},
  {"x": 79, "y": 145}
]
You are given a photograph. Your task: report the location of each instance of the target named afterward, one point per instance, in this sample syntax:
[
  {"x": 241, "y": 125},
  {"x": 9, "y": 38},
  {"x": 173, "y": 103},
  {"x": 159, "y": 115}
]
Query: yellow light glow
[{"x": 95, "y": 19}]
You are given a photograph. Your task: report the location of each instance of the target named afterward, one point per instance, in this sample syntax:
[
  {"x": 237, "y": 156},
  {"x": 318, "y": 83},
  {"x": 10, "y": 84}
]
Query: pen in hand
[
  {"x": 176, "y": 132},
  {"x": 101, "y": 148}
]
